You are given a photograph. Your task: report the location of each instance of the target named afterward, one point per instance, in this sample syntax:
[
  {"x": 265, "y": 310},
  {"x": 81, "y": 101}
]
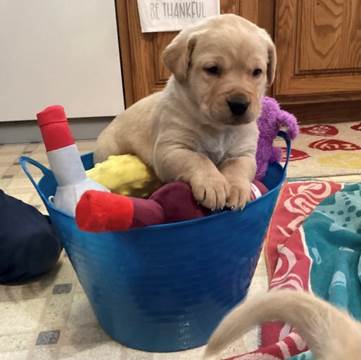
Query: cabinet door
[
  {"x": 143, "y": 71},
  {"x": 319, "y": 50}
]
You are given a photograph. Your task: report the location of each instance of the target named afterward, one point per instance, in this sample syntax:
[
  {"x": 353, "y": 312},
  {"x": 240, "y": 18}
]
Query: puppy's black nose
[{"x": 238, "y": 107}]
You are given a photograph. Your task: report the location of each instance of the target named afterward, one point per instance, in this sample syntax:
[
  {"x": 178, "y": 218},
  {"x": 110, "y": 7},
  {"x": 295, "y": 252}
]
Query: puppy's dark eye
[
  {"x": 212, "y": 70},
  {"x": 256, "y": 72}
]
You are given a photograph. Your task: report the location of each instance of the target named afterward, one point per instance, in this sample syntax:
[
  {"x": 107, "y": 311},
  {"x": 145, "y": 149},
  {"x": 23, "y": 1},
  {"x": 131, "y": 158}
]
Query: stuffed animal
[
  {"x": 64, "y": 159},
  {"x": 272, "y": 120},
  {"x": 99, "y": 211},
  {"x": 126, "y": 175}
]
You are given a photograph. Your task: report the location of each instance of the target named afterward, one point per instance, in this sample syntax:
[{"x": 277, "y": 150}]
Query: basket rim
[{"x": 216, "y": 215}]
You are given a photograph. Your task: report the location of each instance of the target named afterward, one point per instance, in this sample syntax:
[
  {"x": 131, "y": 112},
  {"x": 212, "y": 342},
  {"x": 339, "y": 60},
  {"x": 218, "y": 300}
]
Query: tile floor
[{"x": 51, "y": 318}]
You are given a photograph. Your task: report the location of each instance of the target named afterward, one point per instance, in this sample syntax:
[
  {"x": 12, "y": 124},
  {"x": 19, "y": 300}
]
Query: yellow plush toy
[{"x": 125, "y": 175}]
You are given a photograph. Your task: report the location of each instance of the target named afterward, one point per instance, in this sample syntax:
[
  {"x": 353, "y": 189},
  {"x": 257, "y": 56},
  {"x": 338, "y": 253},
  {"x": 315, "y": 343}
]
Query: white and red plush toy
[{"x": 64, "y": 159}]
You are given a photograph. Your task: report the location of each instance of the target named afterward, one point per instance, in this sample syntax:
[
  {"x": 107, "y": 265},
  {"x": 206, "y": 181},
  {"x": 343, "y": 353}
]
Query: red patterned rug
[
  {"x": 326, "y": 150},
  {"x": 289, "y": 262}
]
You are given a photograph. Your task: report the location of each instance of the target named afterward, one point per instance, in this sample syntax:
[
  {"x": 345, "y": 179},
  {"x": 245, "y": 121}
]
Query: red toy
[{"x": 98, "y": 211}]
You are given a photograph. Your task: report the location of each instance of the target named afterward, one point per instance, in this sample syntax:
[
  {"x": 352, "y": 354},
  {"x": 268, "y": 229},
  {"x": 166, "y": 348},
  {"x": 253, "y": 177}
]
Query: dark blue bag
[{"x": 28, "y": 246}]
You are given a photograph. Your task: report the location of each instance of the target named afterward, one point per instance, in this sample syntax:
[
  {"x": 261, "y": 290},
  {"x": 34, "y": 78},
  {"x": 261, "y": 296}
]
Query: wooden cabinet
[
  {"x": 319, "y": 58},
  {"x": 318, "y": 44}
]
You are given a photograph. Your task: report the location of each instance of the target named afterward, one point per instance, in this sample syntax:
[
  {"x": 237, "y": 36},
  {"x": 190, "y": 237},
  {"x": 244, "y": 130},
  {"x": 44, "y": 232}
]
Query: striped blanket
[{"x": 313, "y": 243}]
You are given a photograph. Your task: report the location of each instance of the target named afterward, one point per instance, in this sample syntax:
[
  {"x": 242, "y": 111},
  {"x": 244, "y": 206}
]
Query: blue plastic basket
[{"x": 165, "y": 287}]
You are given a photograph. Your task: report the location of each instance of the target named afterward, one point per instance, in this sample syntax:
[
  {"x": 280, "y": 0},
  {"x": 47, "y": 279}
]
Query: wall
[{"x": 59, "y": 52}]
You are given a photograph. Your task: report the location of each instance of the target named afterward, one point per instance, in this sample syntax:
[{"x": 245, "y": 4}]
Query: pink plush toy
[{"x": 272, "y": 120}]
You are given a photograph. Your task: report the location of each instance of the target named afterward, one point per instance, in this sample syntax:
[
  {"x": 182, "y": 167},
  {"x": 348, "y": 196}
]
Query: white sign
[{"x": 174, "y": 15}]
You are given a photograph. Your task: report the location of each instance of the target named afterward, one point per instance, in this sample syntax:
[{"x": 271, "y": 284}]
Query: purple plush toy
[{"x": 272, "y": 120}]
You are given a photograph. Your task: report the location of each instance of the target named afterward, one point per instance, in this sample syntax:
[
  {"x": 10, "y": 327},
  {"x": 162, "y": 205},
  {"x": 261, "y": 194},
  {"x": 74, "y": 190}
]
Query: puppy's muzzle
[{"x": 238, "y": 106}]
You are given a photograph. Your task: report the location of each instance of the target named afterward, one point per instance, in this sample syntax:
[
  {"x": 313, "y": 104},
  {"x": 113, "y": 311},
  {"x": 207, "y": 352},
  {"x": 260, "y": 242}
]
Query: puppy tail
[{"x": 314, "y": 319}]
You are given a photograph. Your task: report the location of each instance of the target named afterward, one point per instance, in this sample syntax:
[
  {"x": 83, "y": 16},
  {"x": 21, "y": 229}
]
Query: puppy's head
[{"x": 226, "y": 64}]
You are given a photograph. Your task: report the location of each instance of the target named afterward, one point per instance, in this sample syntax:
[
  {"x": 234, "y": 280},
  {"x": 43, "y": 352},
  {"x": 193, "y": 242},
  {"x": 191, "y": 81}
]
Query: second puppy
[{"x": 330, "y": 333}]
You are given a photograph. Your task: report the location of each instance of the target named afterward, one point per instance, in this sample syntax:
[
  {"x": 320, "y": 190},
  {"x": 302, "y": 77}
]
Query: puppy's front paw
[
  {"x": 239, "y": 194},
  {"x": 210, "y": 191}
]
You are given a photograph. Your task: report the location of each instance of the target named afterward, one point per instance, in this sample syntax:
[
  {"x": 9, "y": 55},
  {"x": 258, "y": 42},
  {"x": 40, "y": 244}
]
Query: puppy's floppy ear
[
  {"x": 177, "y": 55},
  {"x": 272, "y": 57},
  {"x": 272, "y": 62}
]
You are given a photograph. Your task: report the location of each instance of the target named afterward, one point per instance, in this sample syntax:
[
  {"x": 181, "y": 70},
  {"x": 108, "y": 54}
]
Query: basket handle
[
  {"x": 287, "y": 139},
  {"x": 24, "y": 161}
]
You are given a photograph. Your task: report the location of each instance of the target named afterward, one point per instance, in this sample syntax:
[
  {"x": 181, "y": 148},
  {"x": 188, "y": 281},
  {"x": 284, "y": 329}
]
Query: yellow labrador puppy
[
  {"x": 330, "y": 333},
  {"x": 201, "y": 128}
]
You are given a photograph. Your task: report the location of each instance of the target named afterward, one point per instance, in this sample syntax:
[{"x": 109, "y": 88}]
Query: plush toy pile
[
  {"x": 98, "y": 211},
  {"x": 139, "y": 199}
]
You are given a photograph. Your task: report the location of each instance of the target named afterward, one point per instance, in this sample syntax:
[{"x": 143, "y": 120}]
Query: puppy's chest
[{"x": 217, "y": 148}]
